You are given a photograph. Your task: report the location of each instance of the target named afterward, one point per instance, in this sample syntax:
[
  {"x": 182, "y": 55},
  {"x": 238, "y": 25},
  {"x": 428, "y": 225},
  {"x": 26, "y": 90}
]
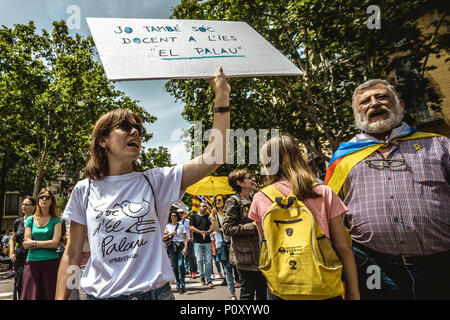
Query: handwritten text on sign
[
  {"x": 201, "y": 51},
  {"x": 150, "y": 49}
]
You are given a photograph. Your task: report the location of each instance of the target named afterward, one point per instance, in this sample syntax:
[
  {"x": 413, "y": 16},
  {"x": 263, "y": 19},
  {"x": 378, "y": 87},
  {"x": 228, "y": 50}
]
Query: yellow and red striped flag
[{"x": 196, "y": 201}]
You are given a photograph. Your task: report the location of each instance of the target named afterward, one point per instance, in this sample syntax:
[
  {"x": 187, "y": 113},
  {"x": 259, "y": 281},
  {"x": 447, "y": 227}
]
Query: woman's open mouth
[{"x": 133, "y": 144}]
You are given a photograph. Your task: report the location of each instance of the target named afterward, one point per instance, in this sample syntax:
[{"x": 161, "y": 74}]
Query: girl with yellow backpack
[{"x": 305, "y": 248}]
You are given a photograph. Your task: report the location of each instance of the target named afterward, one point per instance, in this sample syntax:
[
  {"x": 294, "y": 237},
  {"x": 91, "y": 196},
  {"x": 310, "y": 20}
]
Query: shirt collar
[{"x": 403, "y": 130}]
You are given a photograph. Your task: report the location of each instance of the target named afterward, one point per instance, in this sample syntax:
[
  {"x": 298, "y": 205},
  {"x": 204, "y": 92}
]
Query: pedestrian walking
[
  {"x": 189, "y": 258},
  {"x": 222, "y": 244},
  {"x": 176, "y": 246},
  {"x": 18, "y": 254},
  {"x": 200, "y": 225},
  {"x": 244, "y": 249}
]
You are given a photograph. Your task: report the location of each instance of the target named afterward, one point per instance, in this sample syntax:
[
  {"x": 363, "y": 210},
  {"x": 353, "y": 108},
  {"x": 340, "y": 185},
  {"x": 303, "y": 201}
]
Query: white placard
[{"x": 135, "y": 49}]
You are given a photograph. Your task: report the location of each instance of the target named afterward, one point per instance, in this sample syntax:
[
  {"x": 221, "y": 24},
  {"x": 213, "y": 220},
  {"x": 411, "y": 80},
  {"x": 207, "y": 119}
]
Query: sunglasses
[
  {"x": 127, "y": 126},
  {"x": 219, "y": 200},
  {"x": 45, "y": 197},
  {"x": 385, "y": 163}
]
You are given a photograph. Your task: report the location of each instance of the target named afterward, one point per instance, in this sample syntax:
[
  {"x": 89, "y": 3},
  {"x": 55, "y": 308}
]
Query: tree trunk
[
  {"x": 39, "y": 174},
  {"x": 37, "y": 183}
]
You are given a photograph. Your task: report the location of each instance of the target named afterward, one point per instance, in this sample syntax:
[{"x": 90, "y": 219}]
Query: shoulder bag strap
[
  {"x": 88, "y": 193},
  {"x": 153, "y": 191},
  {"x": 236, "y": 198}
]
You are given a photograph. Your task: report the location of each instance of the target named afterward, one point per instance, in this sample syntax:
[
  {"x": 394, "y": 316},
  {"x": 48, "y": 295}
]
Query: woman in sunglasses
[
  {"x": 176, "y": 246},
  {"x": 222, "y": 243},
  {"x": 42, "y": 235},
  {"x": 123, "y": 211}
]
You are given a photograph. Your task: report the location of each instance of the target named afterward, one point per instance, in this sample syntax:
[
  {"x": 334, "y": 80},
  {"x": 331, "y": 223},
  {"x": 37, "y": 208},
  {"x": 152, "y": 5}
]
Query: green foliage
[
  {"x": 52, "y": 90},
  {"x": 331, "y": 43},
  {"x": 61, "y": 203},
  {"x": 155, "y": 158}
]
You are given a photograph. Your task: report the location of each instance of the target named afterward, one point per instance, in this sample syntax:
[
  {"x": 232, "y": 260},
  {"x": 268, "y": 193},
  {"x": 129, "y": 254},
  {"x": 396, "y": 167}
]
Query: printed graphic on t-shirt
[{"x": 127, "y": 217}]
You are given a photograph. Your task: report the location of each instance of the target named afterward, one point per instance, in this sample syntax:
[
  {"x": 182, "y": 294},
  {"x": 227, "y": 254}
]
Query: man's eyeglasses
[
  {"x": 127, "y": 126},
  {"x": 45, "y": 197},
  {"x": 248, "y": 177},
  {"x": 385, "y": 163}
]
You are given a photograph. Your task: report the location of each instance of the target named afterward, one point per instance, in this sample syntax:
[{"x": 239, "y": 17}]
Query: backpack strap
[
  {"x": 276, "y": 196},
  {"x": 272, "y": 193}
]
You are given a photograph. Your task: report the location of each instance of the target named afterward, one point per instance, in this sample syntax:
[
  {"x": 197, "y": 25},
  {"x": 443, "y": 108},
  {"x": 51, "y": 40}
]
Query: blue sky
[{"x": 151, "y": 94}]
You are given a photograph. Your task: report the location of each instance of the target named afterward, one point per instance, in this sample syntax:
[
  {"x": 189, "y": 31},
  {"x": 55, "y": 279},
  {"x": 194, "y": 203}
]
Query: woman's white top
[
  {"x": 124, "y": 231},
  {"x": 178, "y": 237},
  {"x": 186, "y": 223}
]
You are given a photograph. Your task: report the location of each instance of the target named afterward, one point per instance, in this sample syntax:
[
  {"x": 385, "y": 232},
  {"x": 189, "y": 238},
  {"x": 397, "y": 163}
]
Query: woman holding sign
[{"x": 124, "y": 211}]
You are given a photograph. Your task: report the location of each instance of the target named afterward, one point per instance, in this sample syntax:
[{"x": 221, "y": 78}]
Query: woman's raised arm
[{"x": 215, "y": 153}]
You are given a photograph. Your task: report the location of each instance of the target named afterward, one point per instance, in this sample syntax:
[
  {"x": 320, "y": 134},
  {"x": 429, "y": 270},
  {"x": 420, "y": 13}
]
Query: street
[
  {"x": 195, "y": 290},
  {"x": 6, "y": 286}
]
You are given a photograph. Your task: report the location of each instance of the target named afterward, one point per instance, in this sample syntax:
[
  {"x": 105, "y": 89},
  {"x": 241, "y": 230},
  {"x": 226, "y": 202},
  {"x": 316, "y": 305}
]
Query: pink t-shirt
[{"x": 324, "y": 208}]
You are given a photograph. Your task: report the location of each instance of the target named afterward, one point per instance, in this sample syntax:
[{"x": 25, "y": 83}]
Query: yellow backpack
[{"x": 296, "y": 258}]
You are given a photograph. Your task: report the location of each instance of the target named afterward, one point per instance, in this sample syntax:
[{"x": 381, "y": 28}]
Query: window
[{"x": 11, "y": 204}]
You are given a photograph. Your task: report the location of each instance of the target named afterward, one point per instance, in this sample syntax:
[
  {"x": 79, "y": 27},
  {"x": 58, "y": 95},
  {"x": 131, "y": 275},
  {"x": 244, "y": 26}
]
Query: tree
[
  {"x": 332, "y": 45},
  {"x": 155, "y": 158},
  {"x": 52, "y": 90}
]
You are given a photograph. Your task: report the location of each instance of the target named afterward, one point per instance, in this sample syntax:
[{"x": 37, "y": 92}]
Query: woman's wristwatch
[{"x": 33, "y": 244}]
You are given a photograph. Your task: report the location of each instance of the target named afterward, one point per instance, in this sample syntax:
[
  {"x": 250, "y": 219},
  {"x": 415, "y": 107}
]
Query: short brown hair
[
  {"x": 31, "y": 198},
  {"x": 235, "y": 176},
  {"x": 97, "y": 167}
]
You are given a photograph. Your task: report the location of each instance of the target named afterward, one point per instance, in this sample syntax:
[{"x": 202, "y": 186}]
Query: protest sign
[{"x": 133, "y": 49}]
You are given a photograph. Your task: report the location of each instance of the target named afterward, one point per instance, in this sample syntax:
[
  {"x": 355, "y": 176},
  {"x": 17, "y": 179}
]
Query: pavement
[
  {"x": 6, "y": 285},
  {"x": 194, "y": 289}
]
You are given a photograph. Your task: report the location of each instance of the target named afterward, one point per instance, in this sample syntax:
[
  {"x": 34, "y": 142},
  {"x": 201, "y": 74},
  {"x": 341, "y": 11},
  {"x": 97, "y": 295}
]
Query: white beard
[{"x": 394, "y": 118}]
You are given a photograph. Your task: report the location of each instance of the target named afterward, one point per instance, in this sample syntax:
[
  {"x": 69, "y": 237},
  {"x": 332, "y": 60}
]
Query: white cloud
[
  {"x": 179, "y": 154},
  {"x": 178, "y": 151}
]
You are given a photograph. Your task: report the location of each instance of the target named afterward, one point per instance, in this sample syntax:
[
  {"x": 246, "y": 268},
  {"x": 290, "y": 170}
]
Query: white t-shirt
[
  {"x": 180, "y": 231},
  {"x": 186, "y": 226},
  {"x": 125, "y": 234}
]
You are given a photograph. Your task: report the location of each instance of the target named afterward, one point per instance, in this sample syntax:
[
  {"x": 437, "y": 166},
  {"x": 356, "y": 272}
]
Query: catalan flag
[
  {"x": 197, "y": 199},
  {"x": 351, "y": 153}
]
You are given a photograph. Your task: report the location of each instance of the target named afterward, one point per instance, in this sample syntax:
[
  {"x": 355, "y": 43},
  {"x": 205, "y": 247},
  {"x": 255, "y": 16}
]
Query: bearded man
[{"x": 395, "y": 182}]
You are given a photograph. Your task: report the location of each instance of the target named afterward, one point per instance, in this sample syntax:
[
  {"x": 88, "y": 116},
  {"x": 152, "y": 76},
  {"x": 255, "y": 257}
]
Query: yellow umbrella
[{"x": 210, "y": 186}]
